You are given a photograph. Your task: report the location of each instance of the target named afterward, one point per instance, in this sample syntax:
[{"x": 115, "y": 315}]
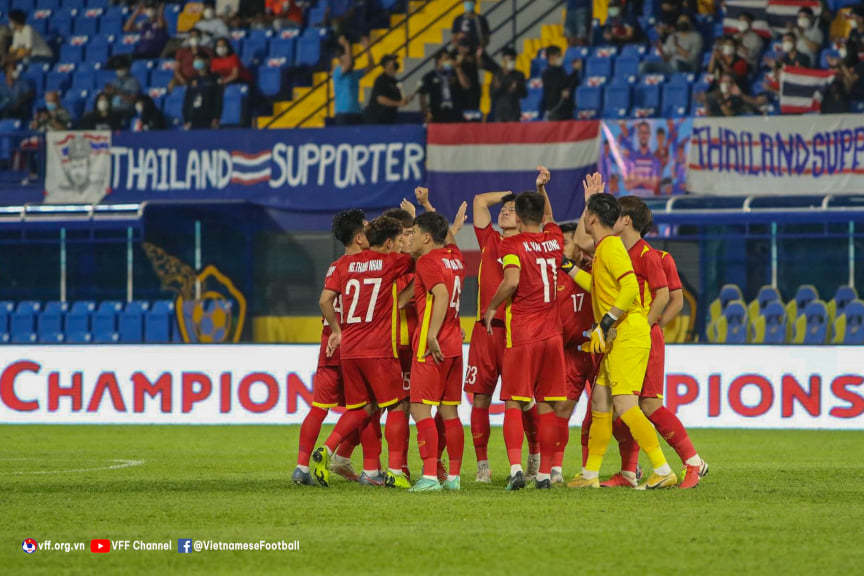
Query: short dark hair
[
  {"x": 606, "y": 208},
  {"x": 382, "y": 229},
  {"x": 552, "y": 50},
  {"x": 530, "y": 207},
  {"x": 567, "y": 227},
  {"x": 347, "y": 224},
  {"x": 508, "y": 198},
  {"x": 638, "y": 212},
  {"x": 441, "y": 54},
  {"x": 18, "y": 16},
  {"x": 402, "y": 216},
  {"x": 435, "y": 224},
  {"x": 746, "y": 15},
  {"x": 387, "y": 58},
  {"x": 806, "y": 10},
  {"x": 508, "y": 51}
]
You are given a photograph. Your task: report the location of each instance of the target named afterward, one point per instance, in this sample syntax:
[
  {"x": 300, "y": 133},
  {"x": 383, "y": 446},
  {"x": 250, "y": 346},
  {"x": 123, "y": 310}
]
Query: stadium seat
[
  {"x": 766, "y": 294},
  {"x": 35, "y": 73},
  {"x": 234, "y": 105},
  {"x": 811, "y": 327},
  {"x": 112, "y": 22},
  {"x": 595, "y": 66},
  {"x": 98, "y": 50},
  {"x": 646, "y": 99},
  {"x": 6, "y": 310},
  {"x": 616, "y": 101},
  {"x": 23, "y": 325},
  {"x": 98, "y": 4},
  {"x": 140, "y": 69},
  {"x": 589, "y": 101},
  {"x": 309, "y": 48},
  {"x": 58, "y": 81},
  {"x": 626, "y": 69},
  {"x": 87, "y": 24},
  {"x": 842, "y": 297},
  {"x": 270, "y": 80},
  {"x": 73, "y": 49},
  {"x": 50, "y": 322},
  {"x": 676, "y": 100},
  {"x": 78, "y": 321},
  {"x": 849, "y": 326},
  {"x": 61, "y": 22},
  {"x": 728, "y": 293},
  {"x": 254, "y": 49},
  {"x": 162, "y": 73},
  {"x": 283, "y": 48},
  {"x": 74, "y": 101},
  {"x": 770, "y": 326},
  {"x": 732, "y": 326},
  {"x": 806, "y": 293},
  {"x": 105, "y": 322},
  {"x": 131, "y": 322},
  {"x": 126, "y": 44},
  {"x": 158, "y": 322},
  {"x": 632, "y": 51},
  {"x": 47, "y": 4},
  {"x": 174, "y": 106}
]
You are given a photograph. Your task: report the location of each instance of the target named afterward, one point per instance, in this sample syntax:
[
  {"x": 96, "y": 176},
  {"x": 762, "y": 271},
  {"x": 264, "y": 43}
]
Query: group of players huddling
[{"x": 561, "y": 310}]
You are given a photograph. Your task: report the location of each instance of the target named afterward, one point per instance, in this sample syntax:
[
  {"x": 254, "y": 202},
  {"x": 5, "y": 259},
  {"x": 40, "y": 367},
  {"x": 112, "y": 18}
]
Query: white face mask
[
  {"x": 724, "y": 88},
  {"x": 555, "y": 61},
  {"x": 787, "y": 46},
  {"x": 743, "y": 25},
  {"x": 804, "y": 22},
  {"x": 510, "y": 64},
  {"x": 139, "y": 108},
  {"x": 193, "y": 42},
  {"x": 208, "y": 13},
  {"x": 221, "y": 50},
  {"x": 102, "y": 105},
  {"x": 842, "y": 52},
  {"x": 728, "y": 50}
]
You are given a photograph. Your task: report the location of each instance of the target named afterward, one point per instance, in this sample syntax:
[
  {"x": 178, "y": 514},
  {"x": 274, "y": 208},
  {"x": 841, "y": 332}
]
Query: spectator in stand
[
  {"x": 210, "y": 25},
  {"x": 151, "y": 27},
  {"x": 184, "y": 69},
  {"x": 227, "y": 65},
  {"x": 620, "y": 28},
  {"x": 103, "y": 117},
  {"x": 724, "y": 59},
  {"x": 16, "y": 95},
  {"x": 577, "y": 25},
  {"x": 750, "y": 42},
  {"x": 438, "y": 90},
  {"x": 5, "y": 39},
  {"x": 508, "y": 89},
  {"x": 670, "y": 11},
  {"x": 53, "y": 117},
  {"x": 27, "y": 43},
  {"x": 124, "y": 89},
  {"x": 468, "y": 91},
  {"x": 728, "y": 98},
  {"x": 558, "y": 86},
  {"x": 836, "y": 98},
  {"x": 791, "y": 55},
  {"x": 202, "y": 105},
  {"x": 146, "y": 116},
  {"x": 386, "y": 97},
  {"x": 346, "y": 84},
  {"x": 681, "y": 52},
  {"x": 855, "y": 41},
  {"x": 471, "y": 26},
  {"x": 808, "y": 35},
  {"x": 284, "y": 13}
]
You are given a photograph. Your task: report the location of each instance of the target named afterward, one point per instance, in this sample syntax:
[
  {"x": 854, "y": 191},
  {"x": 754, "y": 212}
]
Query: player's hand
[
  {"x": 333, "y": 343},
  {"x": 460, "y": 218},
  {"x": 487, "y": 319},
  {"x": 434, "y": 349},
  {"x": 598, "y": 343},
  {"x": 421, "y": 193},
  {"x": 593, "y": 184},
  {"x": 543, "y": 176},
  {"x": 408, "y": 207}
]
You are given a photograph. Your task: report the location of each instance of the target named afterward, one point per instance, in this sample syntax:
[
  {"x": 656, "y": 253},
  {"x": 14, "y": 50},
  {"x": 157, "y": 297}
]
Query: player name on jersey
[
  {"x": 545, "y": 246},
  {"x": 363, "y": 267}
]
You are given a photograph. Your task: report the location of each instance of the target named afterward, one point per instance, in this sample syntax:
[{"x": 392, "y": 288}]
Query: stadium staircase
[{"x": 428, "y": 28}]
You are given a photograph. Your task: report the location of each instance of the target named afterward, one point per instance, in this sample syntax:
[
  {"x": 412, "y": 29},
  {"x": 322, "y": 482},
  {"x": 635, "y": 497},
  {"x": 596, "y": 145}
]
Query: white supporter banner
[
  {"x": 78, "y": 167},
  {"x": 777, "y": 155},
  {"x": 708, "y": 386}
]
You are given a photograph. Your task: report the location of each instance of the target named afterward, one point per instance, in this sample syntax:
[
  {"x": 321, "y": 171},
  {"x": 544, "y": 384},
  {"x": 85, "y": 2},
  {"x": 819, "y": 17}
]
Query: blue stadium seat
[
  {"x": 78, "y": 321},
  {"x": 172, "y": 15},
  {"x": 806, "y": 293},
  {"x": 61, "y": 22},
  {"x": 735, "y": 316},
  {"x": 254, "y": 49},
  {"x": 317, "y": 14},
  {"x": 676, "y": 100},
  {"x": 47, "y": 4},
  {"x": 35, "y": 73},
  {"x": 604, "y": 52},
  {"x": 775, "y": 323},
  {"x": 632, "y": 51},
  {"x": 850, "y": 324},
  {"x": 58, "y": 81},
  {"x": 112, "y": 22},
  {"x": 309, "y": 48},
  {"x": 270, "y": 80},
  {"x": 125, "y": 44},
  {"x": 626, "y": 68},
  {"x": 23, "y": 325},
  {"x": 843, "y": 296},
  {"x": 41, "y": 22},
  {"x": 50, "y": 324},
  {"x": 73, "y": 101},
  {"x": 6, "y": 310},
  {"x": 234, "y": 105},
  {"x": 574, "y": 53},
  {"x": 174, "y": 106},
  {"x": 131, "y": 322},
  {"x": 88, "y": 23},
  {"x": 283, "y": 48},
  {"x": 158, "y": 322},
  {"x": 105, "y": 322},
  {"x": 814, "y": 324},
  {"x": 98, "y": 4},
  {"x": 600, "y": 67},
  {"x": 589, "y": 100},
  {"x": 84, "y": 79},
  {"x": 141, "y": 71},
  {"x": 72, "y": 52},
  {"x": 162, "y": 73},
  {"x": 98, "y": 50},
  {"x": 646, "y": 98},
  {"x": 616, "y": 101}
]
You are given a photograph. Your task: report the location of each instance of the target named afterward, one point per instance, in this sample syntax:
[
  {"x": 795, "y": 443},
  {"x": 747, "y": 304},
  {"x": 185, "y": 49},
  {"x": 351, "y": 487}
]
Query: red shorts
[
  {"x": 580, "y": 370},
  {"x": 485, "y": 358},
  {"x": 534, "y": 370},
  {"x": 368, "y": 380},
  {"x": 436, "y": 384},
  {"x": 652, "y": 386},
  {"x": 327, "y": 387},
  {"x": 406, "y": 357}
]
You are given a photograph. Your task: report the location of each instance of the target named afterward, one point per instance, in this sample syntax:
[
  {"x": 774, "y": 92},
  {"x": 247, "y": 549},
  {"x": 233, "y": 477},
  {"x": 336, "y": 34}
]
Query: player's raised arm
[
  {"x": 440, "y": 303},
  {"x": 505, "y": 291},
  {"x": 421, "y": 193},
  {"x": 458, "y": 221},
  {"x": 327, "y": 303},
  {"x": 543, "y": 178},
  {"x": 482, "y": 204},
  {"x": 592, "y": 184},
  {"x": 408, "y": 207}
]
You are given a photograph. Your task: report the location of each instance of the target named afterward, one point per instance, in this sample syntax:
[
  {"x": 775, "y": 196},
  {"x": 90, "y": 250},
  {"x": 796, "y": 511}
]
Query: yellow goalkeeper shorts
[{"x": 623, "y": 369}]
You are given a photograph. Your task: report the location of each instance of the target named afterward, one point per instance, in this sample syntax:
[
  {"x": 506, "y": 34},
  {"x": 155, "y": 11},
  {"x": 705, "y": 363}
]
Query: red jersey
[
  {"x": 574, "y": 309},
  {"x": 440, "y": 266},
  {"x": 370, "y": 314},
  {"x": 323, "y": 360},
  {"x": 532, "y": 313},
  {"x": 490, "y": 273},
  {"x": 407, "y": 315},
  {"x": 649, "y": 271},
  {"x": 671, "y": 271}
]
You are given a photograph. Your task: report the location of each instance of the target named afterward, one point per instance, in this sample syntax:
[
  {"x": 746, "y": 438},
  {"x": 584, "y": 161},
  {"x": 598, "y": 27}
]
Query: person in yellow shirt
[{"x": 615, "y": 301}]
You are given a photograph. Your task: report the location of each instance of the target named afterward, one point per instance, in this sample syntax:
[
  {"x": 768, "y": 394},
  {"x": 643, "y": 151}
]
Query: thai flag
[
  {"x": 782, "y": 13},
  {"x": 801, "y": 89},
  {"x": 464, "y": 160},
  {"x": 250, "y": 169},
  {"x": 756, "y": 8}
]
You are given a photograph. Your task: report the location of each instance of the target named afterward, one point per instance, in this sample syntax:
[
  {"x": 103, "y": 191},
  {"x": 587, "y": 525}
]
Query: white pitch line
[{"x": 118, "y": 464}]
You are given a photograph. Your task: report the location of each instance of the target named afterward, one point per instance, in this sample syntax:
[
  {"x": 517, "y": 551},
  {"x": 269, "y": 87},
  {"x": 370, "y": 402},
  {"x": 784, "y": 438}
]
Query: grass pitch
[{"x": 784, "y": 502}]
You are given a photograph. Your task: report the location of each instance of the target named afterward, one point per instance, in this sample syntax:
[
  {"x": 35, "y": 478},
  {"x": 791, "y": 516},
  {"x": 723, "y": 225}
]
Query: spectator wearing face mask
[
  {"x": 146, "y": 116},
  {"x": 791, "y": 55},
  {"x": 103, "y": 117},
  {"x": 558, "y": 87},
  {"x": 386, "y": 97},
  {"x": 471, "y": 26},
  {"x": 210, "y": 25},
  {"x": 508, "y": 89},
  {"x": 184, "y": 69},
  {"x": 808, "y": 35},
  {"x": 148, "y": 21},
  {"x": 202, "y": 105},
  {"x": 437, "y": 91},
  {"x": 227, "y": 65},
  {"x": 620, "y": 28},
  {"x": 54, "y": 117},
  {"x": 751, "y": 43},
  {"x": 727, "y": 98},
  {"x": 346, "y": 83},
  {"x": 681, "y": 52},
  {"x": 724, "y": 59},
  {"x": 836, "y": 98},
  {"x": 124, "y": 89}
]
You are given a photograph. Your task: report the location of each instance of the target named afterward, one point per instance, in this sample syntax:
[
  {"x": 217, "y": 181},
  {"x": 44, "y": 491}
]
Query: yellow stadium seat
[
  {"x": 758, "y": 330},
  {"x": 839, "y": 330}
]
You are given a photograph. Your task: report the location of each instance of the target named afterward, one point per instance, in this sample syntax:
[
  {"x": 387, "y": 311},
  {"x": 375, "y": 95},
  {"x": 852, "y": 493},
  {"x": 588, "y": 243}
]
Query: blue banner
[{"x": 314, "y": 170}]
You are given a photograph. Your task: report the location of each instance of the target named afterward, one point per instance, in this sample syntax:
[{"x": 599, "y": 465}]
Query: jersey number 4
[
  {"x": 548, "y": 267},
  {"x": 352, "y": 290}
]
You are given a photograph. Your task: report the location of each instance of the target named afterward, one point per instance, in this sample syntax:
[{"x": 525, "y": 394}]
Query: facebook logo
[{"x": 184, "y": 545}]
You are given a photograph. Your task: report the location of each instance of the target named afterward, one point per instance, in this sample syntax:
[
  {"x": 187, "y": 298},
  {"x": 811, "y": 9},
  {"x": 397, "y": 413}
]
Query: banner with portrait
[{"x": 78, "y": 167}]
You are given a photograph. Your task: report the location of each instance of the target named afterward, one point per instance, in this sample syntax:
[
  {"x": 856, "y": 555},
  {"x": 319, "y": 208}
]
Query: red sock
[
  {"x": 513, "y": 433},
  {"x": 563, "y": 439},
  {"x": 406, "y": 440},
  {"x": 627, "y": 446},
  {"x": 548, "y": 437},
  {"x": 586, "y": 428},
  {"x": 480, "y": 431},
  {"x": 346, "y": 447},
  {"x": 442, "y": 434},
  {"x": 309, "y": 431},
  {"x": 370, "y": 438},
  {"x": 455, "y": 444},
  {"x": 673, "y": 432},
  {"x": 350, "y": 421},
  {"x": 394, "y": 430},
  {"x": 427, "y": 442},
  {"x": 531, "y": 422}
]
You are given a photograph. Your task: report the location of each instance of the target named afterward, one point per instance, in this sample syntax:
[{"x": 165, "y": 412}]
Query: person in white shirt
[
  {"x": 27, "y": 43},
  {"x": 210, "y": 25},
  {"x": 751, "y": 43},
  {"x": 809, "y": 36}
]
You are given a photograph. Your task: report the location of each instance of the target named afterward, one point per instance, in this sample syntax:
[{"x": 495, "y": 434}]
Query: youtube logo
[{"x": 100, "y": 546}]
